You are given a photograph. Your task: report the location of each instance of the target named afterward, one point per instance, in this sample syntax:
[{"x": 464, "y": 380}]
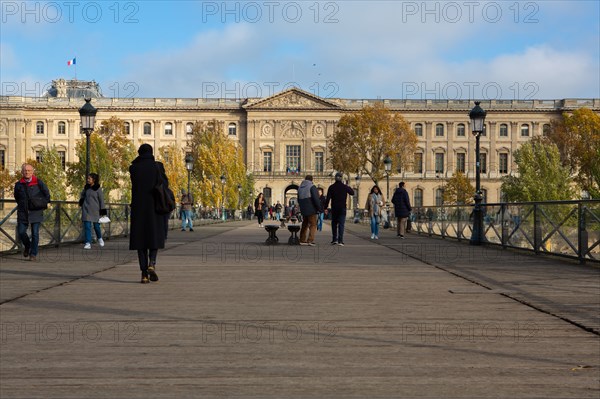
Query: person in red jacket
[{"x": 32, "y": 197}]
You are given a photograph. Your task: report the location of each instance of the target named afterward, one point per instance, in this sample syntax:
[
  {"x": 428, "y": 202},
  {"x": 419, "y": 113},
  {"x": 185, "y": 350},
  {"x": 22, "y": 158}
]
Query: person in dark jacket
[
  {"x": 321, "y": 215},
  {"x": 402, "y": 208},
  {"x": 337, "y": 193},
  {"x": 91, "y": 201},
  {"x": 310, "y": 206},
  {"x": 147, "y": 234},
  {"x": 29, "y": 187},
  {"x": 259, "y": 207}
]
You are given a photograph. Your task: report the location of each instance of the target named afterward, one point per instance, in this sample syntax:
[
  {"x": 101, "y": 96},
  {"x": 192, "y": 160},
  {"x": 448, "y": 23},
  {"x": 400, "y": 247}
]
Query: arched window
[
  {"x": 546, "y": 129},
  {"x": 460, "y": 130},
  {"x": 189, "y": 128},
  {"x": 504, "y": 130},
  {"x": 168, "y": 129},
  {"x": 62, "y": 128},
  {"x": 439, "y": 130},
  {"x": 147, "y": 128},
  {"x": 267, "y": 195},
  {"x": 524, "y": 130},
  {"x": 419, "y": 129},
  {"x": 232, "y": 129},
  {"x": 418, "y": 198},
  {"x": 39, "y": 128},
  {"x": 439, "y": 197}
]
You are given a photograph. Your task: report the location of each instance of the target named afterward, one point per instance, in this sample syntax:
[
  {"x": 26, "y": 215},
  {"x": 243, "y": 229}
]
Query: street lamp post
[
  {"x": 189, "y": 165},
  {"x": 387, "y": 164},
  {"x": 223, "y": 180},
  {"x": 477, "y": 116},
  {"x": 88, "y": 119},
  {"x": 240, "y": 199}
]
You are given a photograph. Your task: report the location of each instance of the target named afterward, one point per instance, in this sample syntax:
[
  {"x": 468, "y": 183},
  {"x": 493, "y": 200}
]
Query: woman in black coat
[{"x": 147, "y": 233}]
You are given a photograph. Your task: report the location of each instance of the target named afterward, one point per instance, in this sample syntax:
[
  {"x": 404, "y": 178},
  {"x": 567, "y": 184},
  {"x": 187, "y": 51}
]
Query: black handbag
[
  {"x": 164, "y": 199},
  {"x": 37, "y": 203}
]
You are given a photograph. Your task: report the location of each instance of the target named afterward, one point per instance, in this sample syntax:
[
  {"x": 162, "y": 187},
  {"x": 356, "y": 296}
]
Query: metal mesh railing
[{"x": 564, "y": 228}]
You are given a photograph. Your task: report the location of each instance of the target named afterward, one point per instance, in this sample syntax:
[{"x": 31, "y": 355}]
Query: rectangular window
[
  {"x": 39, "y": 128},
  {"x": 418, "y": 167},
  {"x": 439, "y": 130},
  {"x": 418, "y": 200},
  {"x": 62, "y": 128},
  {"x": 439, "y": 163},
  {"x": 503, "y": 163},
  {"x": 503, "y": 130},
  {"x": 319, "y": 164},
  {"x": 63, "y": 159},
  {"x": 460, "y": 162},
  {"x": 292, "y": 158},
  {"x": 483, "y": 162},
  {"x": 38, "y": 156},
  {"x": 2, "y": 159},
  {"x": 267, "y": 161},
  {"x": 460, "y": 130}
]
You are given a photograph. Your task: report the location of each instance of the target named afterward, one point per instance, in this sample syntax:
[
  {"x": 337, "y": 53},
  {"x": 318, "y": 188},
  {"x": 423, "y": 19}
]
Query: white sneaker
[
  {"x": 377, "y": 238},
  {"x": 372, "y": 236},
  {"x": 87, "y": 246},
  {"x": 100, "y": 242}
]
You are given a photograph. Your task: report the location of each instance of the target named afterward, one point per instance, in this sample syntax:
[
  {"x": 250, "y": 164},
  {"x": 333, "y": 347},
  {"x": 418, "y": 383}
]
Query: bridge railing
[
  {"x": 564, "y": 228},
  {"x": 62, "y": 223}
]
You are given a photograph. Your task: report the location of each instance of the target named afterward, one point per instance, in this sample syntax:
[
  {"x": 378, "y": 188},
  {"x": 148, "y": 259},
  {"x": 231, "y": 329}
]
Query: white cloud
[{"x": 377, "y": 49}]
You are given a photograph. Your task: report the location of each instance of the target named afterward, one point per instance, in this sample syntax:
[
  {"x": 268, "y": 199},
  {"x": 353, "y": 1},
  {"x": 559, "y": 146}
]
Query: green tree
[
  {"x": 540, "y": 175},
  {"x": 51, "y": 171},
  {"x": 215, "y": 155},
  {"x": 364, "y": 138},
  {"x": 111, "y": 153},
  {"x": 458, "y": 190},
  {"x": 578, "y": 139},
  {"x": 100, "y": 163}
]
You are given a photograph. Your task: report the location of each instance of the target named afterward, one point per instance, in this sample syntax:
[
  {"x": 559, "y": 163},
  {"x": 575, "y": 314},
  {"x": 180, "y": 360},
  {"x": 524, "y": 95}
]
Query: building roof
[{"x": 62, "y": 88}]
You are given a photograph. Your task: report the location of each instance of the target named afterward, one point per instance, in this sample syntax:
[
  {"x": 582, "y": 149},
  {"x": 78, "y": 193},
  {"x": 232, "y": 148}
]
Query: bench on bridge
[{"x": 272, "y": 230}]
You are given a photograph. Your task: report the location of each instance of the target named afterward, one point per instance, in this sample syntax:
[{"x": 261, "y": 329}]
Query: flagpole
[{"x": 75, "y": 58}]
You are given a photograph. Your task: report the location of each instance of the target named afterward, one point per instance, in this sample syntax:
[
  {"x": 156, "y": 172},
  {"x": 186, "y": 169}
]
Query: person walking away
[
  {"x": 337, "y": 194},
  {"x": 373, "y": 206},
  {"x": 259, "y": 204},
  {"x": 187, "y": 201},
  {"x": 310, "y": 206},
  {"x": 28, "y": 213},
  {"x": 147, "y": 233},
  {"x": 92, "y": 205},
  {"x": 278, "y": 209},
  {"x": 321, "y": 215},
  {"x": 402, "y": 208}
]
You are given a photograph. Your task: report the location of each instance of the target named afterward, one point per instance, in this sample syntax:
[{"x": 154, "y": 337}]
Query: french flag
[{"x": 72, "y": 62}]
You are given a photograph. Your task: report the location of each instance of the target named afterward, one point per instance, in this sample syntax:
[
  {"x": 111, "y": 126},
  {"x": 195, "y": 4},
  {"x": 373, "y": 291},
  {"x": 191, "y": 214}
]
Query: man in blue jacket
[
  {"x": 337, "y": 193},
  {"x": 310, "y": 206}
]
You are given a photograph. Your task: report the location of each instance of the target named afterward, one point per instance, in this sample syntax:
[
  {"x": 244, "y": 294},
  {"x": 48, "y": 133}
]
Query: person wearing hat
[
  {"x": 310, "y": 206},
  {"x": 337, "y": 193},
  {"x": 187, "y": 200}
]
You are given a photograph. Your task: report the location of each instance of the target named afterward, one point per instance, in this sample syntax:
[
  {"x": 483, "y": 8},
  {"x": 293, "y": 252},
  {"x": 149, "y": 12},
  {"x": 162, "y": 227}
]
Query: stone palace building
[{"x": 285, "y": 136}]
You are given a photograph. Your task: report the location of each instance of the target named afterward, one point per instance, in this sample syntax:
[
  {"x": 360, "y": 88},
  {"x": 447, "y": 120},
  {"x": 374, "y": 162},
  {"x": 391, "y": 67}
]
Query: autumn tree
[
  {"x": 458, "y": 190},
  {"x": 577, "y": 137},
  {"x": 540, "y": 175},
  {"x": 50, "y": 170},
  {"x": 8, "y": 179},
  {"x": 364, "y": 138},
  {"x": 111, "y": 153},
  {"x": 173, "y": 158},
  {"x": 215, "y": 155}
]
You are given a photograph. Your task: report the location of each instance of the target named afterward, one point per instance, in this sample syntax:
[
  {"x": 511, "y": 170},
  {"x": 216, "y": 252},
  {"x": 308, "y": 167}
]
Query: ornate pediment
[{"x": 292, "y": 99}]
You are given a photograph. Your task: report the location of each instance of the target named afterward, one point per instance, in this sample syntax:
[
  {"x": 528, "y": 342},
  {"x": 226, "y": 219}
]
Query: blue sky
[{"x": 348, "y": 49}]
